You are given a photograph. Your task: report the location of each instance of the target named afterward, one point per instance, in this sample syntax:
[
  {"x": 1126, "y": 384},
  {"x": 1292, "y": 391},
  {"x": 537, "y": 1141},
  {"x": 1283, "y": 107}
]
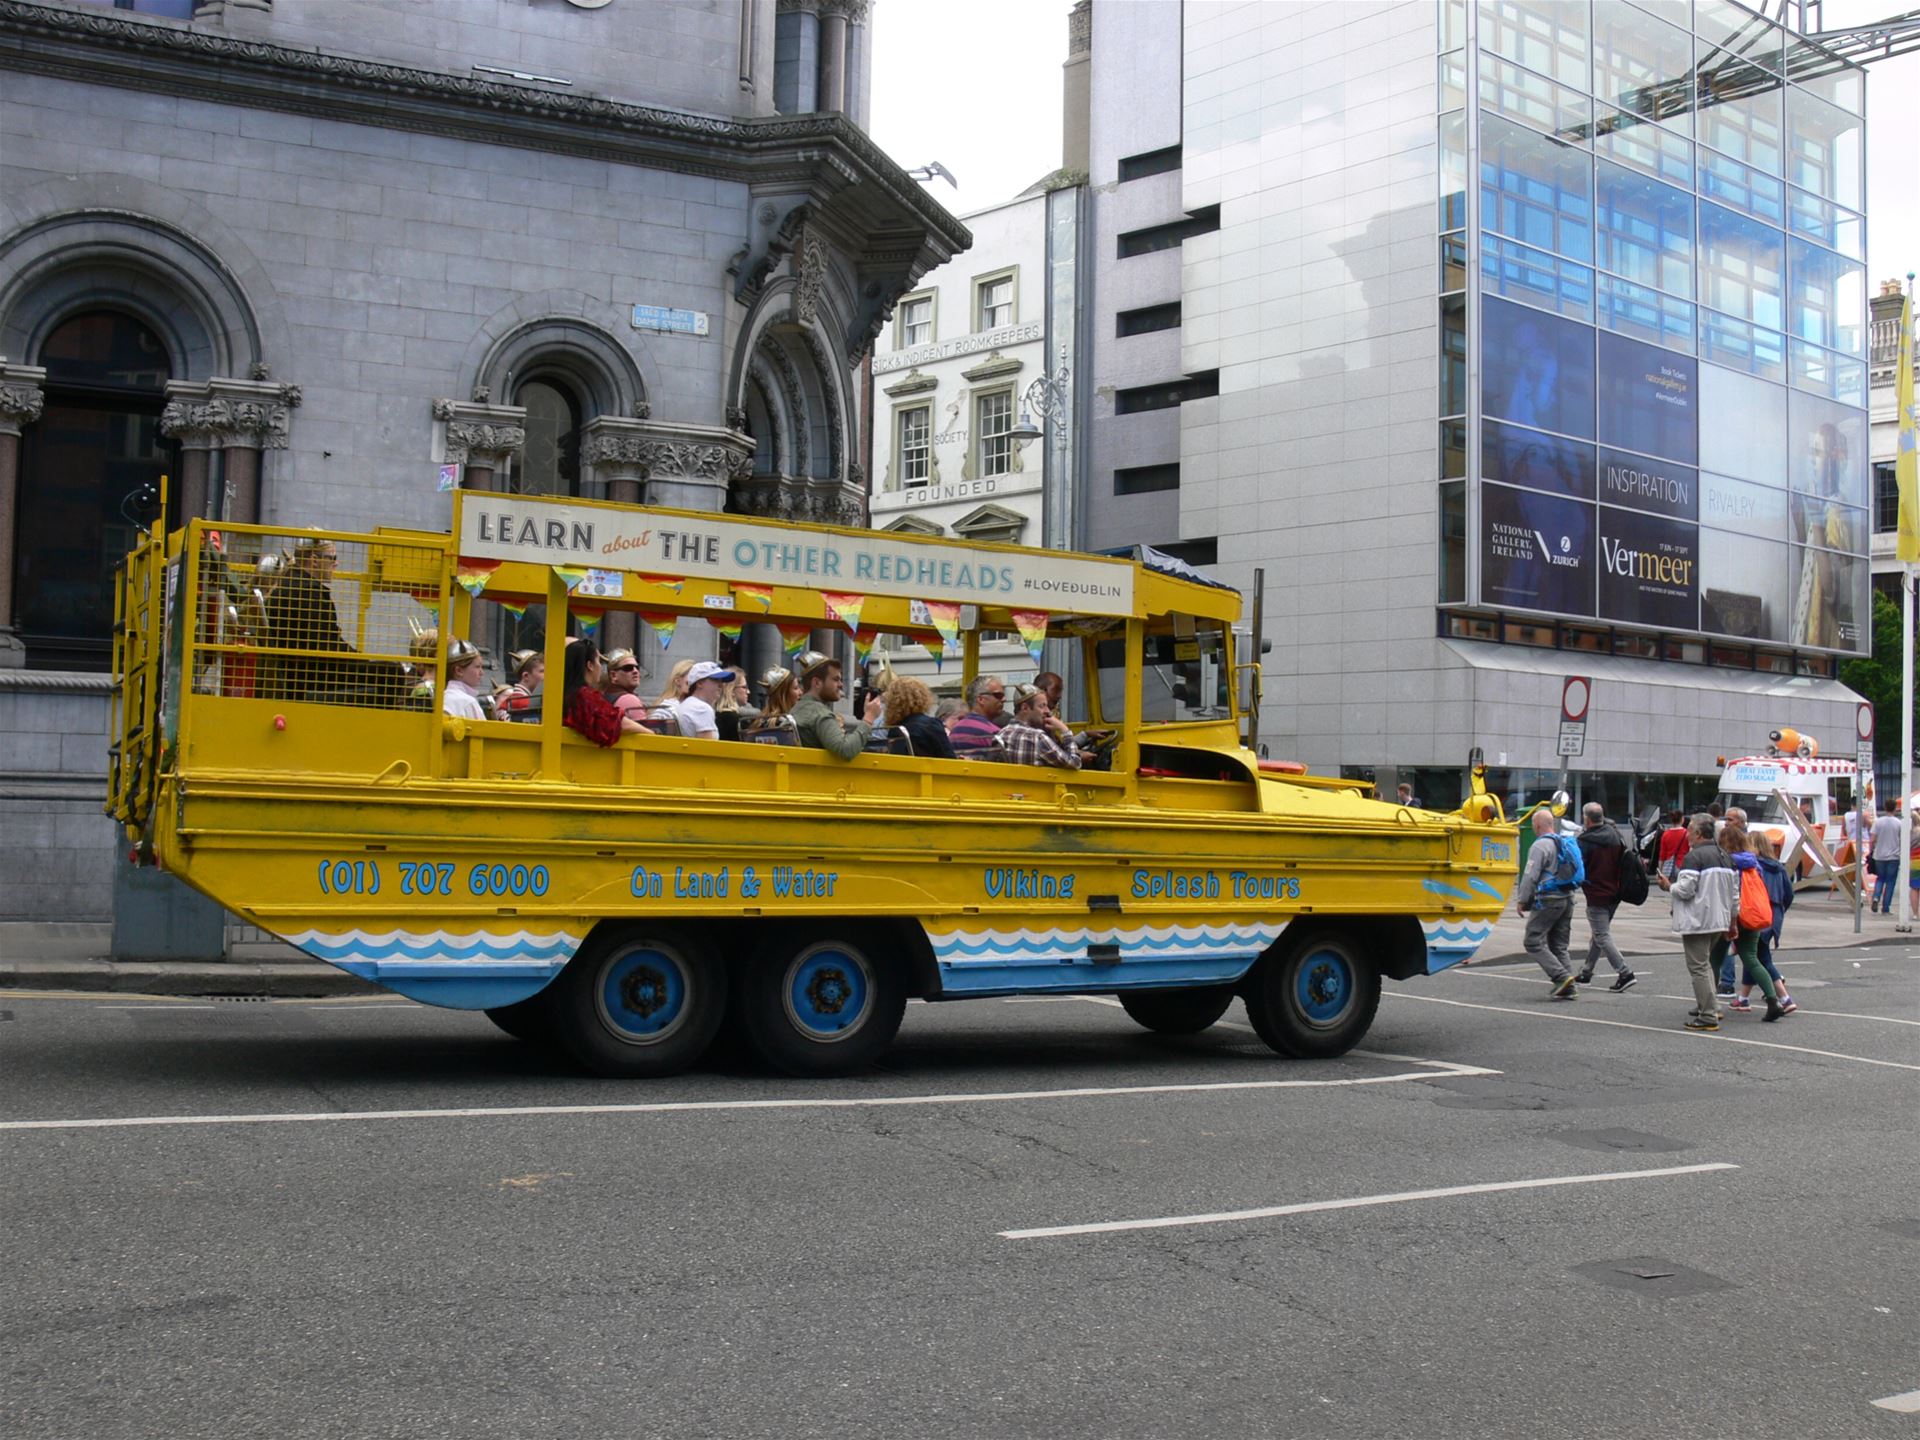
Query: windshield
[
  {"x": 1185, "y": 675},
  {"x": 1758, "y": 807}
]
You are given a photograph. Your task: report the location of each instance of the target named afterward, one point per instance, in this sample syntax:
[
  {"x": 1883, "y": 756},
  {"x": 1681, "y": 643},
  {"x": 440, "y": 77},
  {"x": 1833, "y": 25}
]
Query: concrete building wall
[
  {"x": 1135, "y": 106},
  {"x": 1312, "y": 127},
  {"x": 681, "y": 53}
]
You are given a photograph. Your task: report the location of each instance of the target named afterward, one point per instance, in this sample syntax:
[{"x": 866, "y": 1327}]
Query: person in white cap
[
  {"x": 462, "y": 696},
  {"x": 705, "y": 682}
]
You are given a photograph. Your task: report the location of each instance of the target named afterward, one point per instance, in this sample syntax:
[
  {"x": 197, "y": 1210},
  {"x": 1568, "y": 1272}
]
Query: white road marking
[
  {"x": 159, "y": 1007},
  {"x": 1635, "y": 996},
  {"x": 1561, "y": 1014},
  {"x": 1107, "y": 1227},
  {"x": 675, "y": 1107},
  {"x": 1907, "y": 1404}
]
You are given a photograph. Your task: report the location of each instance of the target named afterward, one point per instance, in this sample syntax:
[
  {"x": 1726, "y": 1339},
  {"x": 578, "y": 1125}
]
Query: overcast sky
[{"x": 975, "y": 84}]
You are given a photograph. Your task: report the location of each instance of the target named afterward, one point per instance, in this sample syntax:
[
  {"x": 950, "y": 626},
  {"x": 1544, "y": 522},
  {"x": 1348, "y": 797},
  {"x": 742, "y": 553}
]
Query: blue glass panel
[
  {"x": 1453, "y": 171},
  {"x": 1827, "y": 224},
  {"x": 1742, "y": 264},
  {"x": 1535, "y": 461},
  {"x": 1534, "y": 189},
  {"x": 1643, "y": 65},
  {"x": 1822, "y": 372},
  {"x": 1565, "y": 114},
  {"x": 1509, "y": 268},
  {"x": 1741, "y": 186},
  {"x": 1536, "y": 369},
  {"x": 1536, "y": 551},
  {"x": 1646, "y": 314},
  {"x": 1648, "y": 398},
  {"x": 1742, "y": 110},
  {"x": 1643, "y": 145},
  {"x": 1547, "y": 36},
  {"x": 1827, "y": 298},
  {"x": 1644, "y": 229},
  {"x": 1740, "y": 346},
  {"x": 1827, "y": 452},
  {"x": 1826, "y": 149}
]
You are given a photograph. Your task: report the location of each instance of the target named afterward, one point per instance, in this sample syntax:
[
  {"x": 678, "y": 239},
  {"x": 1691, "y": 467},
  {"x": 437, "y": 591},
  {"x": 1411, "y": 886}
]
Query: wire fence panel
[{"x": 301, "y": 615}]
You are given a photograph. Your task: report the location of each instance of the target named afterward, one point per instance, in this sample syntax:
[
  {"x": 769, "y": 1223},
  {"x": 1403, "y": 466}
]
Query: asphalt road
[{"x": 732, "y": 1255}]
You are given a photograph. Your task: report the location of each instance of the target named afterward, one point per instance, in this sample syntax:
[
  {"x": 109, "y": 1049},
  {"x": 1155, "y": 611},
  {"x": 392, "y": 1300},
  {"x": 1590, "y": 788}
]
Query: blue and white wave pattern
[
  {"x": 978, "y": 962},
  {"x": 1451, "y": 941},
  {"x": 439, "y": 954}
]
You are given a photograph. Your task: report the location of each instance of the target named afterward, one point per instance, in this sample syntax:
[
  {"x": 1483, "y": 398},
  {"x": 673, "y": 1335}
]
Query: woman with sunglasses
[{"x": 588, "y": 712}]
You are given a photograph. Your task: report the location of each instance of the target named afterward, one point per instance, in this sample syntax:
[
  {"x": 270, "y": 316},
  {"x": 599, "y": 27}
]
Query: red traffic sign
[
  {"x": 1575, "y": 696},
  {"x": 1863, "y": 721}
]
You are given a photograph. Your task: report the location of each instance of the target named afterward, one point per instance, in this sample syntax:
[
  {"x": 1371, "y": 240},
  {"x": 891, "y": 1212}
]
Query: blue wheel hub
[
  {"x": 828, "y": 992},
  {"x": 643, "y": 994},
  {"x": 1324, "y": 987}
]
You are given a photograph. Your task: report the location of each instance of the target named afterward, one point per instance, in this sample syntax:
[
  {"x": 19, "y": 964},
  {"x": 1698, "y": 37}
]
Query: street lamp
[{"x": 1046, "y": 397}]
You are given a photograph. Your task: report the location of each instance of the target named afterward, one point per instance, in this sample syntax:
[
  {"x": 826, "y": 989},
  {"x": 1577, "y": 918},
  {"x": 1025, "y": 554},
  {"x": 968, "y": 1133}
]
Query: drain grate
[
  {"x": 239, "y": 999},
  {"x": 1653, "y": 1277}
]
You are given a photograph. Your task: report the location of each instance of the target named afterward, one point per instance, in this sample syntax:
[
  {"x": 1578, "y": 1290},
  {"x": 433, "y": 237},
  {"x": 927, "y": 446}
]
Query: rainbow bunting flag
[
  {"x": 473, "y": 575},
  {"x": 945, "y": 617},
  {"x": 665, "y": 582},
  {"x": 589, "y": 621},
  {"x": 846, "y": 608},
  {"x": 935, "y": 652},
  {"x": 1032, "y": 625},
  {"x": 662, "y": 626},
  {"x": 863, "y": 647},
  {"x": 519, "y": 612},
  {"x": 762, "y": 593},
  {"x": 432, "y": 608},
  {"x": 793, "y": 638},
  {"x": 731, "y": 630},
  {"x": 571, "y": 576}
]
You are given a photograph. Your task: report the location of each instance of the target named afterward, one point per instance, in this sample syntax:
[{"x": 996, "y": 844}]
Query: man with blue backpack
[{"x": 1554, "y": 870}]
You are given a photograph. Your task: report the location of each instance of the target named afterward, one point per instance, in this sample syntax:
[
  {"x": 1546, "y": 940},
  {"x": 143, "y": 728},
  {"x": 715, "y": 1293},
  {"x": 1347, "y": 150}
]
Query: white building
[{"x": 950, "y": 372}]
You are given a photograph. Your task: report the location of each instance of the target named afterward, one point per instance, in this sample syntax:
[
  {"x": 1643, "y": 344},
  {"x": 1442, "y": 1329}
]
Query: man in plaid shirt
[{"x": 1036, "y": 737}]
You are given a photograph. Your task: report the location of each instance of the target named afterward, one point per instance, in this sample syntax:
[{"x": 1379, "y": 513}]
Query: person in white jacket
[
  {"x": 1706, "y": 898},
  {"x": 464, "y": 666}
]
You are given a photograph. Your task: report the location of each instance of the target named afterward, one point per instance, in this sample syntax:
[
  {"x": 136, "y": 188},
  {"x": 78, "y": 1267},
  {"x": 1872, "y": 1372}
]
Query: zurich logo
[{"x": 1566, "y": 544}]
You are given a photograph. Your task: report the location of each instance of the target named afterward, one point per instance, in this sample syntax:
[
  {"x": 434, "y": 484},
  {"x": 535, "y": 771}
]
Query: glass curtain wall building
[{"x": 1653, "y": 334}]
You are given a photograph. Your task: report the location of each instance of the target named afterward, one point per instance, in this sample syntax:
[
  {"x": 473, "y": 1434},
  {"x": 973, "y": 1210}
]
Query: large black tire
[
  {"x": 818, "y": 1000},
  {"x": 525, "y": 1019},
  {"x": 1177, "y": 1012},
  {"x": 1314, "y": 996},
  {"x": 640, "y": 1000}
]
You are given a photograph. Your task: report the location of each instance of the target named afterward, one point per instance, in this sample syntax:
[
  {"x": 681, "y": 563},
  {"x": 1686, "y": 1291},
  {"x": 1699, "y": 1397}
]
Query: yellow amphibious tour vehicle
[{"x": 280, "y": 745}]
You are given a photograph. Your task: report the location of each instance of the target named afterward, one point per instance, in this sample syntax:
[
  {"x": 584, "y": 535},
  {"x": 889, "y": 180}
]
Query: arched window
[
  {"x": 90, "y": 472},
  {"x": 550, "y": 464}
]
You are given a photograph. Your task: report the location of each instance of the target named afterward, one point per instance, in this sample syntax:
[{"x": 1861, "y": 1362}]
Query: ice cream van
[{"x": 1791, "y": 766}]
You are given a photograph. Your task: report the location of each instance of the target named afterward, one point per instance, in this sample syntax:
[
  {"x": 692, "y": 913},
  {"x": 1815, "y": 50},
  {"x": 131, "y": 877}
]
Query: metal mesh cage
[{"x": 304, "y": 615}]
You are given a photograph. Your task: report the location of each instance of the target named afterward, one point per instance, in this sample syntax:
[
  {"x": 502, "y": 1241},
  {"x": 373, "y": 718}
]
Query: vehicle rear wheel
[
  {"x": 1177, "y": 1012},
  {"x": 639, "y": 1000},
  {"x": 1314, "y": 997},
  {"x": 816, "y": 1001}
]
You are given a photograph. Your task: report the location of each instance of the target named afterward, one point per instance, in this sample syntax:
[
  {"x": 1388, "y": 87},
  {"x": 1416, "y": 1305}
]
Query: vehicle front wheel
[
  {"x": 816, "y": 1002},
  {"x": 1177, "y": 1012},
  {"x": 1314, "y": 997},
  {"x": 639, "y": 1001}
]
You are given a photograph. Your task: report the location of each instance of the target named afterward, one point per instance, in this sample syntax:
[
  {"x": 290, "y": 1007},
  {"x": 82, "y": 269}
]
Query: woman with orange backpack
[{"x": 1753, "y": 915}]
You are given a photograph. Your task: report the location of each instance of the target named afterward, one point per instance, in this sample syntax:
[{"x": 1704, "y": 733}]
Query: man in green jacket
[{"x": 821, "y": 686}]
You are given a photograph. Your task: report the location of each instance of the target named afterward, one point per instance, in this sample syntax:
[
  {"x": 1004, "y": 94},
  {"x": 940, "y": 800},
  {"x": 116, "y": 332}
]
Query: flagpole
[
  {"x": 1906, "y": 469},
  {"x": 1900, "y": 900}
]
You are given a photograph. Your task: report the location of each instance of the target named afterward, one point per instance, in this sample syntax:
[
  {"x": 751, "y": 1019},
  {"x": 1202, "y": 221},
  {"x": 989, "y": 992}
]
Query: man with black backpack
[
  {"x": 1553, "y": 870},
  {"x": 1611, "y": 865}
]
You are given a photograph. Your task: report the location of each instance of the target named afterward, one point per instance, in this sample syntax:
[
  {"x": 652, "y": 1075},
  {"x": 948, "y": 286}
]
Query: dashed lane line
[
  {"x": 1310, "y": 1207},
  {"x": 1561, "y": 1014},
  {"x": 684, "y": 1107}
]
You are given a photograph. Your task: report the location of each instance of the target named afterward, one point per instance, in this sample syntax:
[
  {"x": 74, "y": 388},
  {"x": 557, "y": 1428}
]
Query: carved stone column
[
  {"x": 21, "y": 401},
  {"x": 833, "y": 55},
  {"x": 482, "y": 438},
  {"x": 241, "y": 418}
]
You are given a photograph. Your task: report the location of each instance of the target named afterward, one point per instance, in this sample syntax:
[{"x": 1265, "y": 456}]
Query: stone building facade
[{"x": 300, "y": 256}]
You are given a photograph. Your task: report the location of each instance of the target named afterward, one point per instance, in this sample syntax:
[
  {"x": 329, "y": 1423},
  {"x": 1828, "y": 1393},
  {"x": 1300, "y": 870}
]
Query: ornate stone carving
[
  {"x": 221, "y": 412},
  {"x": 260, "y": 370},
  {"x": 1080, "y": 28},
  {"x": 736, "y": 417},
  {"x": 482, "y": 395},
  {"x": 810, "y": 266},
  {"x": 481, "y": 443},
  {"x": 642, "y": 410},
  {"x": 618, "y": 448},
  {"x": 777, "y": 223},
  {"x": 443, "y": 409},
  {"x": 836, "y": 421},
  {"x": 19, "y": 405}
]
